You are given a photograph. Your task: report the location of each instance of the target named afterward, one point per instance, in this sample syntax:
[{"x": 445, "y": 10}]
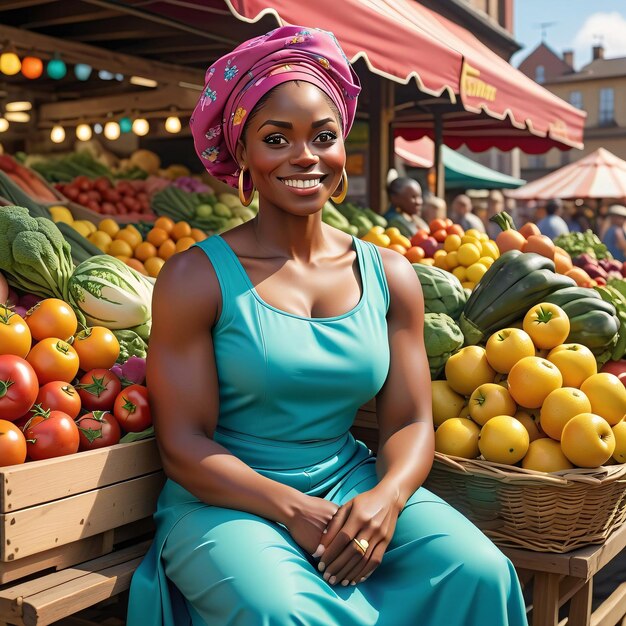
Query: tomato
[
  {"x": 18, "y": 387},
  {"x": 132, "y": 409},
  {"x": 53, "y": 359},
  {"x": 51, "y": 318},
  {"x": 418, "y": 237},
  {"x": 97, "y": 347},
  {"x": 12, "y": 444},
  {"x": 98, "y": 430},
  {"x": 15, "y": 337},
  {"x": 455, "y": 229},
  {"x": 59, "y": 396},
  {"x": 50, "y": 435},
  {"x": 98, "y": 390},
  {"x": 437, "y": 224}
]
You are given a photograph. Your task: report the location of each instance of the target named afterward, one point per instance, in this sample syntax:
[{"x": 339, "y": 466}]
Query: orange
[
  {"x": 545, "y": 455},
  {"x": 458, "y": 437},
  {"x": 157, "y": 236},
  {"x": 575, "y": 362},
  {"x": 468, "y": 369},
  {"x": 101, "y": 240},
  {"x": 145, "y": 250},
  {"x": 167, "y": 249},
  {"x": 109, "y": 226},
  {"x": 452, "y": 243},
  {"x": 619, "y": 432},
  {"x": 446, "y": 402},
  {"x": 135, "y": 230},
  {"x": 123, "y": 258},
  {"x": 184, "y": 243},
  {"x": 503, "y": 440},
  {"x": 136, "y": 264},
  {"x": 587, "y": 440},
  {"x": 530, "y": 421},
  {"x": 559, "y": 408},
  {"x": 415, "y": 254},
  {"x": 506, "y": 347},
  {"x": 394, "y": 246},
  {"x": 532, "y": 379},
  {"x": 198, "y": 235},
  {"x": 607, "y": 396},
  {"x": 129, "y": 236},
  {"x": 180, "y": 230},
  {"x": 490, "y": 400},
  {"x": 119, "y": 247},
  {"x": 153, "y": 266},
  {"x": 547, "y": 324},
  {"x": 164, "y": 223}
]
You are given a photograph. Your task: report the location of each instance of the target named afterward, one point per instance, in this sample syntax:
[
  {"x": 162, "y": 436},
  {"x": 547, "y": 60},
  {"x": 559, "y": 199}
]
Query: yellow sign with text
[{"x": 473, "y": 87}]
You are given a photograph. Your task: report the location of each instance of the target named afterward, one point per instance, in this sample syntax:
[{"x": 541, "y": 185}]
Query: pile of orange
[{"x": 148, "y": 256}]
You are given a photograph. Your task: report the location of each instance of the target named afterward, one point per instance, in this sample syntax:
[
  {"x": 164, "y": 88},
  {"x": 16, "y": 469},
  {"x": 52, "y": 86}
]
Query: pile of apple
[{"x": 526, "y": 398}]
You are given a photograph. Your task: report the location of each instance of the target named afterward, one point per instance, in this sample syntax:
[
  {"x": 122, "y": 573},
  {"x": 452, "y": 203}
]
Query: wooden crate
[{"x": 63, "y": 511}]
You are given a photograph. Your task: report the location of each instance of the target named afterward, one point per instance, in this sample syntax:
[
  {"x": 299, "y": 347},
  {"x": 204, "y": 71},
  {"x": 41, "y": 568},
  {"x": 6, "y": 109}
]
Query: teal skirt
[{"x": 210, "y": 566}]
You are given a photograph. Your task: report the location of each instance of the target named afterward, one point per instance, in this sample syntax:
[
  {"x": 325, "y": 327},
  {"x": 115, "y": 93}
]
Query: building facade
[{"x": 599, "y": 88}]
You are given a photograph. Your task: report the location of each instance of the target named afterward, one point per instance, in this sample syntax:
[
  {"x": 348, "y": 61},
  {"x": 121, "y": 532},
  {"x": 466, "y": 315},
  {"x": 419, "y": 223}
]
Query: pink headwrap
[{"x": 237, "y": 81}]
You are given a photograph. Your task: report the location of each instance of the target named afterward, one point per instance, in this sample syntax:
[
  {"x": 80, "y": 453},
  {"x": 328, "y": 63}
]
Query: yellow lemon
[{"x": 468, "y": 254}]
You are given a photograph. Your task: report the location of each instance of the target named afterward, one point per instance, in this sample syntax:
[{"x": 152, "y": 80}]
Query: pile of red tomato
[{"x": 57, "y": 395}]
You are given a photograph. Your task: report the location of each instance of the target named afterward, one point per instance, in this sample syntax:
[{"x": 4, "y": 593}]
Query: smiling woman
[{"x": 273, "y": 514}]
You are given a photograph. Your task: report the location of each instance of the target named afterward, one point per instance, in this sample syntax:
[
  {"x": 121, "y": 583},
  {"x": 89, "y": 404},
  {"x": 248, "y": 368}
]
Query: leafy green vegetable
[
  {"x": 442, "y": 338},
  {"x": 131, "y": 344},
  {"x": 583, "y": 243},
  {"x": 615, "y": 293}
]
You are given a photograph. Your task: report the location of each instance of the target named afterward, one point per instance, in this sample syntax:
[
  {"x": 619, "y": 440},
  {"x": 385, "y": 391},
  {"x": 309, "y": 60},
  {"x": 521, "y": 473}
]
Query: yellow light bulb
[
  {"x": 57, "y": 134},
  {"x": 4, "y": 125},
  {"x": 112, "y": 130},
  {"x": 10, "y": 63},
  {"x": 141, "y": 127},
  {"x": 172, "y": 124},
  {"x": 83, "y": 132}
]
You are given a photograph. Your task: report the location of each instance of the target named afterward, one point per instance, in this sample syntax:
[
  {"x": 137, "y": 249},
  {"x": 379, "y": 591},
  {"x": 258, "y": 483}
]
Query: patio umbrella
[{"x": 598, "y": 175}]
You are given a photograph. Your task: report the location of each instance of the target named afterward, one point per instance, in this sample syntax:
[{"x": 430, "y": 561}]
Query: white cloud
[{"x": 606, "y": 28}]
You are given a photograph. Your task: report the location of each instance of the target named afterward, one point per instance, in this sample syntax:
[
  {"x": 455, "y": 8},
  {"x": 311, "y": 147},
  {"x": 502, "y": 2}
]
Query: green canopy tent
[{"x": 460, "y": 171}]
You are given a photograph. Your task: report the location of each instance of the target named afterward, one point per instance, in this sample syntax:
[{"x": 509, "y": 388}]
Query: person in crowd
[
  {"x": 406, "y": 202},
  {"x": 495, "y": 205},
  {"x": 462, "y": 214},
  {"x": 553, "y": 225},
  {"x": 615, "y": 236},
  {"x": 434, "y": 208},
  {"x": 265, "y": 341}
]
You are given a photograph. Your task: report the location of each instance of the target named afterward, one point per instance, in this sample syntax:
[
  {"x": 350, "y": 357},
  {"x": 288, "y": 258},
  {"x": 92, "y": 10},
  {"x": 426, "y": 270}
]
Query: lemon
[
  {"x": 475, "y": 272},
  {"x": 61, "y": 214},
  {"x": 452, "y": 243},
  {"x": 452, "y": 260},
  {"x": 468, "y": 254},
  {"x": 460, "y": 272},
  {"x": 81, "y": 229},
  {"x": 109, "y": 226}
]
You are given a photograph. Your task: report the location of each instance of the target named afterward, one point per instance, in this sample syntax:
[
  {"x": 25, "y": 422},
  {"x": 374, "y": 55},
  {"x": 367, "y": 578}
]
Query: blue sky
[{"x": 577, "y": 25}]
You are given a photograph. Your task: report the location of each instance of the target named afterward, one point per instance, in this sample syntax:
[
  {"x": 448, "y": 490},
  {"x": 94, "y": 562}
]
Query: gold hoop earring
[
  {"x": 242, "y": 196},
  {"x": 338, "y": 199}
]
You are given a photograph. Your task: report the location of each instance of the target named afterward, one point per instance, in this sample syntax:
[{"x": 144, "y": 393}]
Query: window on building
[
  {"x": 540, "y": 74},
  {"x": 576, "y": 99},
  {"x": 607, "y": 112},
  {"x": 536, "y": 161}
]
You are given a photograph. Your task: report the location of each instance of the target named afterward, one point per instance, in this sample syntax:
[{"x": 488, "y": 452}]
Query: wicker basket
[{"x": 526, "y": 509}]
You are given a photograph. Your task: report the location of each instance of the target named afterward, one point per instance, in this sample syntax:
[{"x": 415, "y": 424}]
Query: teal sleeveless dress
[{"x": 290, "y": 387}]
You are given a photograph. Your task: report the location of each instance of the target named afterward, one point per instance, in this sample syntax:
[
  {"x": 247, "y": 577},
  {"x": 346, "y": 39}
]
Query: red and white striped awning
[{"x": 598, "y": 175}]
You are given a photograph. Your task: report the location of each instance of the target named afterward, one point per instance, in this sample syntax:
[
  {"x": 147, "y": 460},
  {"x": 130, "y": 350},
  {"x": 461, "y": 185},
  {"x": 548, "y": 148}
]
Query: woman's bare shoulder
[{"x": 404, "y": 285}]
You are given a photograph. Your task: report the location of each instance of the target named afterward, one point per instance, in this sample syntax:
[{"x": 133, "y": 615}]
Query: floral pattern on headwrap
[{"x": 236, "y": 82}]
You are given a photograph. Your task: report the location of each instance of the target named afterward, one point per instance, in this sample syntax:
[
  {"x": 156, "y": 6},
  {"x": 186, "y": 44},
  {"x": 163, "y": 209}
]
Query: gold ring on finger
[{"x": 362, "y": 544}]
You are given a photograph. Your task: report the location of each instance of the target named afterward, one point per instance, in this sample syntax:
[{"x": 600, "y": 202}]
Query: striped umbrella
[{"x": 598, "y": 175}]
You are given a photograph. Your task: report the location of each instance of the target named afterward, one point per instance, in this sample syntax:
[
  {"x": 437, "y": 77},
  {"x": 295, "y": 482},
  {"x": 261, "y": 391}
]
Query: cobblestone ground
[{"x": 112, "y": 612}]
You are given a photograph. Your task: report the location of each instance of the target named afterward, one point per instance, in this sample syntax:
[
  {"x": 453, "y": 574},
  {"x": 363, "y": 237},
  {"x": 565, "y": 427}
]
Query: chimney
[
  {"x": 598, "y": 52},
  {"x": 568, "y": 57}
]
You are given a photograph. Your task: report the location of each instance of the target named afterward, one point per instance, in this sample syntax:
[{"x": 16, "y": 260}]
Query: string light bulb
[
  {"x": 4, "y": 125},
  {"x": 97, "y": 128},
  {"x": 172, "y": 124},
  {"x": 82, "y": 71},
  {"x": 141, "y": 127},
  {"x": 126, "y": 125},
  {"x": 32, "y": 67},
  {"x": 56, "y": 68},
  {"x": 57, "y": 134},
  {"x": 10, "y": 63},
  {"x": 112, "y": 130},
  {"x": 22, "y": 105},
  {"x": 17, "y": 116},
  {"x": 83, "y": 132}
]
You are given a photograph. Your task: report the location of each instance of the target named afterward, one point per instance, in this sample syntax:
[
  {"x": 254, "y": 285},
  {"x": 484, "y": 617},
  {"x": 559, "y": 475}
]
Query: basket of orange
[{"x": 530, "y": 438}]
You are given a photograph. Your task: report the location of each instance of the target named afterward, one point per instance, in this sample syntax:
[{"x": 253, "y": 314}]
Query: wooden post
[
  {"x": 440, "y": 174},
  {"x": 380, "y": 139}
]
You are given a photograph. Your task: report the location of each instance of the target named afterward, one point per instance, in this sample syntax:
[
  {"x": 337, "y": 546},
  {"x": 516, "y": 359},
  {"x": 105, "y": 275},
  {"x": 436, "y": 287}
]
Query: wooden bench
[{"x": 556, "y": 578}]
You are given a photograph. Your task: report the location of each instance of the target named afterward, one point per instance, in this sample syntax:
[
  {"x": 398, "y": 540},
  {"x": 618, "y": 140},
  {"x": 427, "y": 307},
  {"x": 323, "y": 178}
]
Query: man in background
[
  {"x": 405, "y": 197},
  {"x": 462, "y": 214},
  {"x": 553, "y": 225}
]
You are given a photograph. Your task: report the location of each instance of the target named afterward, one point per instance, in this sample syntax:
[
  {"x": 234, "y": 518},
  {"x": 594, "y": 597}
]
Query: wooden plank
[
  {"x": 580, "y": 606},
  {"x": 546, "y": 600},
  {"x": 44, "y": 481},
  {"x": 39, "y": 528},
  {"x": 612, "y": 610},
  {"x": 70, "y": 597},
  {"x": 546, "y": 562},
  {"x": 585, "y": 562},
  {"x": 569, "y": 587},
  {"x": 55, "y": 558}
]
